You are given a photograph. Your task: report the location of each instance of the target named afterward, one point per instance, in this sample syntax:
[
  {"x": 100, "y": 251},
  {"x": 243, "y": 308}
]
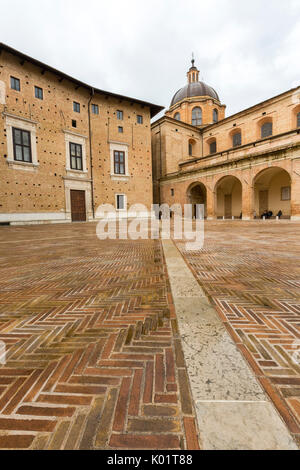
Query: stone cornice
[
  {"x": 245, "y": 146},
  {"x": 164, "y": 119},
  {"x": 233, "y": 162},
  {"x": 15, "y": 116}
]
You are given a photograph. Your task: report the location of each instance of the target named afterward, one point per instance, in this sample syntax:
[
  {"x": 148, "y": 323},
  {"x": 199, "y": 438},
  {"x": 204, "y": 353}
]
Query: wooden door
[
  {"x": 78, "y": 210},
  {"x": 228, "y": 206},
  {"x": 263, "y": 201}
]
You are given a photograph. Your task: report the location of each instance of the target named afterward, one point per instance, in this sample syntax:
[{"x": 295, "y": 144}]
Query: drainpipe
[
  {"x": 160, "y": 165},
  {"x": 91, "y": 152}
]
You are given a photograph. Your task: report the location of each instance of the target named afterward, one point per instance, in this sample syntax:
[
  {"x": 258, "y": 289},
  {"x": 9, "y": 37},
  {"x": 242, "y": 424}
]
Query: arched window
[
  {"x": 237, "y": 139},
  {"x": 177, "y": 116},
  {"x": 197, "y": 117},
  {"x": 213, "y": 147},
  {"x": 215, "y": 116},
  {"x": 266, "y": 129},
  {"x": 298, "y": 120}
]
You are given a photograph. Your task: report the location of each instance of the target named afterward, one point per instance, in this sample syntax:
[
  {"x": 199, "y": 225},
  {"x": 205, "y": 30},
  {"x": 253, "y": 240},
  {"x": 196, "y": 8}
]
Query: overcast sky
[{"x": 247, "y": 50}]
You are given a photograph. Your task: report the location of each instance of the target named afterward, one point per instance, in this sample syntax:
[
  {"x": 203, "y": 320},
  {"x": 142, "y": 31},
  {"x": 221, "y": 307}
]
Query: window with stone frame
[
  {"x": 298, "y": 119},
  {"x": 76, "y": 156},
  {"x": 22, "y": 145},
  {"x": 119, "y": 162},
  {"x": 177, "y": 116}
]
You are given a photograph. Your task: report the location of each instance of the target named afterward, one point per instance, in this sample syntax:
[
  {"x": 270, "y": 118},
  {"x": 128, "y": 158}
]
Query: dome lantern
[
  {"x": 196, "y": 103},
  {"x": 193, "y": 73}
]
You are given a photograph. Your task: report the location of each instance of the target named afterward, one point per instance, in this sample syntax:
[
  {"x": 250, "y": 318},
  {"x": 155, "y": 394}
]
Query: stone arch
[
  {"x": 272, "y": 191},
  {"x": 228, "y": 197},
  {"x": 197, "y": 194}
]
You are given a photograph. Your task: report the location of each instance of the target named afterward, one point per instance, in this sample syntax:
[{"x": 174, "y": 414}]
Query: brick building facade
[
  {"x": 65, "y": 147},
  {"x": 239, "y": 166}
]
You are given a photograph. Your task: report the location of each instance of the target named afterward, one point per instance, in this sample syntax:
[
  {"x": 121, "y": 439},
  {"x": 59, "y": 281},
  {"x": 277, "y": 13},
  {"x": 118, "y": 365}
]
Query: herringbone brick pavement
[
  {"x": 94, "y": 360},
  {"x": 251, "y": 273}
]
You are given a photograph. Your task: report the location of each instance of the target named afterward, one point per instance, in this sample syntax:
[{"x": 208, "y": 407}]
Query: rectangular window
[
  {"x": 213, "y": 147},
  {"x": 119, "y": 162},
  {"x": 76, "y": 156},
  {"x": 74, "y": 123},
  {"x": 266, "y": 130},
  {"x": 120, "y": 129},
  {"x": 76, "y": 107},
  {"x": 286, "y": 193},
  {"x": 38, "y": 92},
  {"x": 172, "y": 192},
  {"x": 15, "y": 84},
  {"x": 298, "y": 120},
  {"x": 139, "y": 119},
  {"x": 95, "y": 109},
  {"x": 237, "y": 139},
  {"x": 22, "y": 145},
  {"x": 120, "y": 115},
  {"x": 120, "y": 202}
]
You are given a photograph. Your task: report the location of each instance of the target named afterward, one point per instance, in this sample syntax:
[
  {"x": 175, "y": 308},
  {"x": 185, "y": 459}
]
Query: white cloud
[{"x": 248, "y": 51}]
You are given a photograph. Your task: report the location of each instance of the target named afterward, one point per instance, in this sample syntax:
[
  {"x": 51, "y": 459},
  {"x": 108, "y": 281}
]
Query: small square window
[
  {"x": 74, "y": 123},
  {"x": 15, "y": 84},
  {"x": 38, "y": 92},
  {"x": 139, "y": 119},
  {"x": 76, "y": 107},
  {"x": 120, "y": 129},
  {"x": 120, "y": 115},
  {"x": 120, "y": 202},
  {"x": 95, "y": 109}
]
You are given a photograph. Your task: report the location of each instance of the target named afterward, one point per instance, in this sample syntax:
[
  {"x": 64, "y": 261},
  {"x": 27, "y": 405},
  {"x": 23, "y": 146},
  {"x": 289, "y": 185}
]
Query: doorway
[{"x": 78, "y": 209}]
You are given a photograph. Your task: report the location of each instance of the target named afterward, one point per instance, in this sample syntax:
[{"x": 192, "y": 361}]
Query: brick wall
[{"x": 41, "y": 191}]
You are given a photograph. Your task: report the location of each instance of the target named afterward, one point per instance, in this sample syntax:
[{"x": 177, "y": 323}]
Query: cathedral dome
[{"x": 194, "y": 89}]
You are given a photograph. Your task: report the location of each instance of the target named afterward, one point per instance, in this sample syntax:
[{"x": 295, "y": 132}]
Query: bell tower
[{"x": 193, "y": 73}]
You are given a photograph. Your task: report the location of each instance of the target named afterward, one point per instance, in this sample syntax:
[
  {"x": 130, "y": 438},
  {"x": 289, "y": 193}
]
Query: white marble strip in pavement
[{"x": 232, "y": 409}]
